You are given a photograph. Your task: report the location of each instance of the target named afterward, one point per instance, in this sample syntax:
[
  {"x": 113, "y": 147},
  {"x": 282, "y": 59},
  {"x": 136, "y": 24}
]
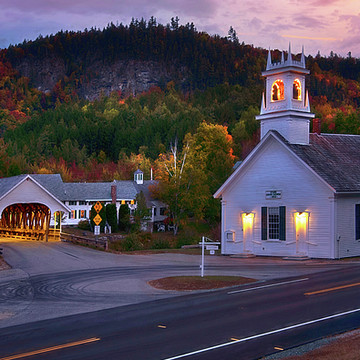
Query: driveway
[{"x": 50, "y": 280}]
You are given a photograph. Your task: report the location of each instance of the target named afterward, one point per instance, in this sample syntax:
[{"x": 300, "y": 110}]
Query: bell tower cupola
[{"x": 285, "y": 104}]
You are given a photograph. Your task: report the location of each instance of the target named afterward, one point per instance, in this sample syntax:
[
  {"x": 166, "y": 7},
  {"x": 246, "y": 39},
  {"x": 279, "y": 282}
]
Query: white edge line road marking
[
  {"x": 265, "y": 286},
  {"x": 263, "y": 334}
]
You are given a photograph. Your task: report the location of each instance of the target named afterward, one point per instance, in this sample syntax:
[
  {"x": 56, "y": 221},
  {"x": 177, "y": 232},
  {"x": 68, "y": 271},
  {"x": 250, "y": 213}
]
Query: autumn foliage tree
[
  {"x": 179, "y": 185},
  {"x": 188, "y": 177},
  {"x": 211, "y": 150}
]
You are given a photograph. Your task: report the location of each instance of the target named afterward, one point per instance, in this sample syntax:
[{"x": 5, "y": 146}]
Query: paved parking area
[{"x": 48, "y": 280}]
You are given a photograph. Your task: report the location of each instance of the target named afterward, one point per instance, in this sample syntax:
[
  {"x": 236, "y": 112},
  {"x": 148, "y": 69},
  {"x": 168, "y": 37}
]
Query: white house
[
  {"x": 80, "y": 197},
  {"x": 29, "y": 203},
  {"x": 296, "y": 194}
]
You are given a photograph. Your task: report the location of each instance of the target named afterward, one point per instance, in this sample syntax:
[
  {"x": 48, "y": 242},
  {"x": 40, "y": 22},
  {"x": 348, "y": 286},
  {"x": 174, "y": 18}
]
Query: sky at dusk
[{"x": 319, "y": 25}]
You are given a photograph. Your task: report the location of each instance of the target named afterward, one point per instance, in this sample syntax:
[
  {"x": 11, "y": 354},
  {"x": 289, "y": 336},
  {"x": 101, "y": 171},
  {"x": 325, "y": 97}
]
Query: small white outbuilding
[{"x": 296, "y": 194}]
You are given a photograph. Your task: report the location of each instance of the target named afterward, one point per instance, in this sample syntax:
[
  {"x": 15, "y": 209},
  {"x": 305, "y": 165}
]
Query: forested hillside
[{"x": 97, "y": 104}]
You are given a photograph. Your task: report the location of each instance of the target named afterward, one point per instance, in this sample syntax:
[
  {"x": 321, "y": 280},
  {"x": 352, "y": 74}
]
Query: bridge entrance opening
[{"x": 29, "y": 221}]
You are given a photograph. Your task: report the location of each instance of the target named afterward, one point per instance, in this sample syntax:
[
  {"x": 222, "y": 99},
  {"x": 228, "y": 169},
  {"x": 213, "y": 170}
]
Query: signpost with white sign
[{"x": 210, "y": 245}]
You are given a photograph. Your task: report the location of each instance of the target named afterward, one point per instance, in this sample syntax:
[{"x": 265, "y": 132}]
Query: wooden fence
[{"x": 97, "y": 242}]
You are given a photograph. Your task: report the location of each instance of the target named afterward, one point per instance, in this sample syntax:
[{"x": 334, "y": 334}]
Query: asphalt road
[
  {"x": 49, "y": 281},
  {"x": 239, "y": 324}
]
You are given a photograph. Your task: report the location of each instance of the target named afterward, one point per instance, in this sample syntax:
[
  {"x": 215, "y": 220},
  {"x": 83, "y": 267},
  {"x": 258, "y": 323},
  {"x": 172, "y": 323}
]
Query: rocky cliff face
[
  {"x": 129, "y": 76},
  {"x": 44, "y": 73}
]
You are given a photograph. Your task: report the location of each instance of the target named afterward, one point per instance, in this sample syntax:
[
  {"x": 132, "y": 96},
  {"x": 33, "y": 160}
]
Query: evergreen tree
[
  {"x": 142, "y": 212},
  {"x": 124, "y": 217},
  {"x": 111, "y": 216}
]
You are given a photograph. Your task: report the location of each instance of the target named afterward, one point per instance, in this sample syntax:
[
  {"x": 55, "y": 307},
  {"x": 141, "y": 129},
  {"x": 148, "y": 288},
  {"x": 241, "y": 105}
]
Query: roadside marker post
[{"x": 210, "y": 245}]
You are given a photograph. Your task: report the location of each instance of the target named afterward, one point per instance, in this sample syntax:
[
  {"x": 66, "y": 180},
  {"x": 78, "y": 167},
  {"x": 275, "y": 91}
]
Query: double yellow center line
[{"x": 52, "y": 348}]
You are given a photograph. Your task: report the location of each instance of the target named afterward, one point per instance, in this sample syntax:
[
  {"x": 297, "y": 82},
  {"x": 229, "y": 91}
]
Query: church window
[
  {"x": 277, "y": 90},
  {"x": 273, "y": 222},
  {"x": 297, "y": 89}
]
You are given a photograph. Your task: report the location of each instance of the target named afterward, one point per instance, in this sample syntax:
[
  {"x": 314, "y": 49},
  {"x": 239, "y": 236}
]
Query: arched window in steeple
[
  {"x": 297, "y": 89},
  {"x": 277, "y": 90}
]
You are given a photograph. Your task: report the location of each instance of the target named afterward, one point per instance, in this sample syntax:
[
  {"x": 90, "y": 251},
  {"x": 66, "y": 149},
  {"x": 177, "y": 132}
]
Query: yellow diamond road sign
[
  {"x": 97, "y": 206},
  {"x": 97, "y": 219}
]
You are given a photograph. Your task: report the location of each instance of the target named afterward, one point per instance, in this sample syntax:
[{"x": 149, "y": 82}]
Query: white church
[{"x": 297, "y": 194}]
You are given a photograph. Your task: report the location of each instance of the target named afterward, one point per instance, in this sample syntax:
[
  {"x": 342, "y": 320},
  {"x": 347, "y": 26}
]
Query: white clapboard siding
[
  {"x": 346, "y": 244},
  {"x": 274, "y": 167}
]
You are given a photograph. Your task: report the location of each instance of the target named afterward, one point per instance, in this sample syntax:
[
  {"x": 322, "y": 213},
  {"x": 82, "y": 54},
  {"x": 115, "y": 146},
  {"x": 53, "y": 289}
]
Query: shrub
[
  {"x": 84, "y": 225},
  {"x": 161, "y": 243},
  {"x": 132, "y": 243}
]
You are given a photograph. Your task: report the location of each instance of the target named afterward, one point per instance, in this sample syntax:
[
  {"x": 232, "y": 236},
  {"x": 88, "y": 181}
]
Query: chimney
[
  {"x": 151, "y": 173},
  {"x": 316, "y": 125},
  {"x": 113, "y": 192}
]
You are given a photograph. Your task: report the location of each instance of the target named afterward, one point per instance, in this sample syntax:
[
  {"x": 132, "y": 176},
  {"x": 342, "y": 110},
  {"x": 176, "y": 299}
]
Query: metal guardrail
[{"x": 97, "y": 242}]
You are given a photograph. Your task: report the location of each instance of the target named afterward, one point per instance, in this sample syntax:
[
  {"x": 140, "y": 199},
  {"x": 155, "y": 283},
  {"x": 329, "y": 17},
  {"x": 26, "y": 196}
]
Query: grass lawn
[{"x": 188, "y": 283}]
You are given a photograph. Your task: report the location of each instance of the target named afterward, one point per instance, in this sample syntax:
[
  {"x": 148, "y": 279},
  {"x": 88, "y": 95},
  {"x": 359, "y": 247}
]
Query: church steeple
[{"x": 285, "y": 104}]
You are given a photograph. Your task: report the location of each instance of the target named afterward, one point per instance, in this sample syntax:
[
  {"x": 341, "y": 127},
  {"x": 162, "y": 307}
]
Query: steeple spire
[
  {"x": 282, "y": 57},
  {"x": 302, "y": 57},
  {"x": 269, "y": 63},
  {"x": 289, "y": 59},
  {"x": 263, "y": 105}
]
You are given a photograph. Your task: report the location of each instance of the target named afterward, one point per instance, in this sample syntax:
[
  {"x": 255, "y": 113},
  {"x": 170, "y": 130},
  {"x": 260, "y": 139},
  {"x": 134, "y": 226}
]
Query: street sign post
[
  {"x": 210, "y": 245},
  {"x": 97, "y": 219}
]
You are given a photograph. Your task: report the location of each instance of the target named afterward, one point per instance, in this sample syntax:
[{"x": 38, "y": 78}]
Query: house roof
[
  {"x": 145, "y": 189},
  {"x": 52, "y": 183},
  {"x": 334, "y": 157},
  {"x": 99, "y": 191},
  {"x": 125, "y": 189}
]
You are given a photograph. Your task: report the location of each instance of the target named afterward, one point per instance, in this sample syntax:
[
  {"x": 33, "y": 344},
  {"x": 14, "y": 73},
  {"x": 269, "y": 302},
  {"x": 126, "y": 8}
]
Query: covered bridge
[{"x": 27, "y": 203}]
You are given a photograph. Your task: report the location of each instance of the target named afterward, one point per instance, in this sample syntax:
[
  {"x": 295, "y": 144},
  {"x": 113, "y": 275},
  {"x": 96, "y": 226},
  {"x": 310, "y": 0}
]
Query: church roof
[{"x": 334, "y": 157}]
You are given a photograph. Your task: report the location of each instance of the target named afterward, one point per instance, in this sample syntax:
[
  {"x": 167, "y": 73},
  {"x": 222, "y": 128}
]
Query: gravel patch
[
  {"x": 3, "y": 264},
  {"x": 304, "y": 349}
]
